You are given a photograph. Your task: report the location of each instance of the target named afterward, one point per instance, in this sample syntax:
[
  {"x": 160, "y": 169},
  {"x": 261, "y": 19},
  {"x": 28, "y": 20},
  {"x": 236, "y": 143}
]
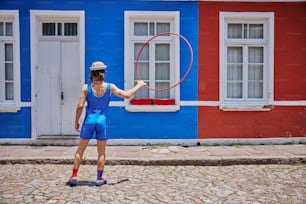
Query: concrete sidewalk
[{"x": 159, "y": 155}]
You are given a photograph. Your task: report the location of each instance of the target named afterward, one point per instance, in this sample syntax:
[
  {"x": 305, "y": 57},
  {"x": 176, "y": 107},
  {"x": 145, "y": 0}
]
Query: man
[{"x": 97, "y": 95}]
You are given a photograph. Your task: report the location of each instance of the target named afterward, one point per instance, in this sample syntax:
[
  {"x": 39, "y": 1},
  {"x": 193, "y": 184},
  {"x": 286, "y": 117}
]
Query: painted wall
[
  {"x": 16, "y": 125},
  {"x": 289, "y": 74},
  {"x": 199, "y": 23},
  {"x": 104, "y": 40}
]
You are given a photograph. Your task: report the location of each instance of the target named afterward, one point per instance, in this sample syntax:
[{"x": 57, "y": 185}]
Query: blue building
[{"x": 47, "y": 47}]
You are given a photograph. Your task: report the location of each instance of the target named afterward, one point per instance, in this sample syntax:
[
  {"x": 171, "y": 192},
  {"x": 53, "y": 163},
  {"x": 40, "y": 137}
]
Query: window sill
[
  {"x": 154, "y": 101},
  {"x": 152, "y": 108},
  {"x": 246, "y": 108},
  {"x": 9, "y": 108}
]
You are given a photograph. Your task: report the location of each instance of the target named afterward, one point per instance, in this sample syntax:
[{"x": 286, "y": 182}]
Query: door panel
[
  {"x": 70, "y": 85},
  {"x": 48, "y": 86},
  {"x": 58, "y": 87}
]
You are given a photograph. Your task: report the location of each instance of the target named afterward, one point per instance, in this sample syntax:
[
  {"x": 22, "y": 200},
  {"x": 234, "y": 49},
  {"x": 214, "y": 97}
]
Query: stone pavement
[
  {"x": 156, "y": 174},
  {"x": 159, "y": 155},
  {"x": 236, "y": 184}
]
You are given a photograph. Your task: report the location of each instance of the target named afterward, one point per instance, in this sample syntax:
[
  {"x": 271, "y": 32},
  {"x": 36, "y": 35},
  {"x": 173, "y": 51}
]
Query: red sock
[{"x": 74, "y": 173}]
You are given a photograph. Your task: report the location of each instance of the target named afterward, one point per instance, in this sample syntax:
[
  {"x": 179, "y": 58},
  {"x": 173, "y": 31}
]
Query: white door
[
  {"x": 57, "y": 70},
  {"x": 58, "y": 87}
]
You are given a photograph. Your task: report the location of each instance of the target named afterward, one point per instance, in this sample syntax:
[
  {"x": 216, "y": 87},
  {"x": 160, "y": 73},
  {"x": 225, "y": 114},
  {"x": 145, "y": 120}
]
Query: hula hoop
[{"x": 186, "y": 73}]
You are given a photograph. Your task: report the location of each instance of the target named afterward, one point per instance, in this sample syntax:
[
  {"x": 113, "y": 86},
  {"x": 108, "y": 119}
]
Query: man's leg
[
  {"x": 101, "y": 145},
  {"x": 79, "y": 153},
  {"x": 77, "y": 160}
]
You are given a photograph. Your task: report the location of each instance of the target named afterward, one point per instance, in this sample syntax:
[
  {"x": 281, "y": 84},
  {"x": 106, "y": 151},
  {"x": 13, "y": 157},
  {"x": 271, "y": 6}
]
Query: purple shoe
[{"x": 101, "y": 182}]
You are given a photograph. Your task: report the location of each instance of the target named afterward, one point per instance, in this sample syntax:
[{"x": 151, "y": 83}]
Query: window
[
  {"x": 246, "y": 60},
  {"x": 158, "y": 64},
  {"x": 59, "y": 29},
  {"x": 9, "y": 62}
]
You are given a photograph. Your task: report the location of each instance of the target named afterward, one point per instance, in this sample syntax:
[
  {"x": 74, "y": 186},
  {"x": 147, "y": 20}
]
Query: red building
[{"x": 252, "y": 69}]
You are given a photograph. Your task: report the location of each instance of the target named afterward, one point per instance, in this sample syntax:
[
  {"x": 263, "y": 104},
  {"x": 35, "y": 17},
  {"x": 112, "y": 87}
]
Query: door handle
[{"x": 62, "y": 95}]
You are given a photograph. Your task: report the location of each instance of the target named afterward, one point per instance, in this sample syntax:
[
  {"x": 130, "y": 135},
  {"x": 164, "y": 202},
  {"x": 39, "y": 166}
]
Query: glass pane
[
  {"x": 1, "y": 29},
  {"x": 163, "y": 27},
  {"x": 234, "y": 72},
  {"x": 9, "y": 91},
  {"x": 143, "y": 69},
  {"x": 9, "y": 29},
  {"x": 143, "y": 92},
  {"x": 144, "y": 56},
  {"x": 162, "y": 71},
  {"x": 245, "y": 30},
  {"x": 141, "y": 29},
  {"x": 234, "y": 90},
  {"x": 234, "y": 30},
  {"x": 234, "y": 54},
  {"x": 255, "y": 89},
  {"x": 8, "y": 52},
  {"x": 255, "y": 72},
  {"x": 256, "y": 31},
  {"x": 9, "y": 71},
  {"x": 70, "y": 29},
  {"x": 162, "y": 94},
  {"x": 162, "y": 52},
  {"x": 255, "y": 55},
  {"x": 152, "y": 29},
  {"x": 48, "y": 29},
  {"x": 59, "y": 29}
]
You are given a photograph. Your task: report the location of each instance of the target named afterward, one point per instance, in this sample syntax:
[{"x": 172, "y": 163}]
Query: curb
[
  {"x": 201, "y": 162},
  {"x": 74, "y": 141}
]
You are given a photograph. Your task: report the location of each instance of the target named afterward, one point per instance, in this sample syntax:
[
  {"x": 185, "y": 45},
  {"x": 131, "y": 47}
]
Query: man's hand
[
  {"x": 141, "y": 83},
  {"x": 77, "y": 126}
]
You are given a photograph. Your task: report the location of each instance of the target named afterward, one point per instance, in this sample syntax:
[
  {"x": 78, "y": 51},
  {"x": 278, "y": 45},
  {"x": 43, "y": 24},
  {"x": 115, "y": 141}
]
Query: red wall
[
  {"x": 282, "y": 121},
  {"x": 289, "y": 74}
]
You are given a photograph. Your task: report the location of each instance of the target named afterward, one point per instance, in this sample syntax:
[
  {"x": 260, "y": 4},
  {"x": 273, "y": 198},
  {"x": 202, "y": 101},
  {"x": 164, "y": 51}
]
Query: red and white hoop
[{"x": 186, "y": 73}]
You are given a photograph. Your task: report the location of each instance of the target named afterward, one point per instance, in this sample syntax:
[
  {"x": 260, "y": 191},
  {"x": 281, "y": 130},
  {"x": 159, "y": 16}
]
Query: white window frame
[
  {"x": 129, "y": 18},
  {"x": 69, "y": 19},
  {"x": 267, "y": 19},
  {"x": 11, "y": 105}
]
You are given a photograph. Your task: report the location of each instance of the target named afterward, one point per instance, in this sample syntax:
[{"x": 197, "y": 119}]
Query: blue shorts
[{"x": 94, "y": 127}]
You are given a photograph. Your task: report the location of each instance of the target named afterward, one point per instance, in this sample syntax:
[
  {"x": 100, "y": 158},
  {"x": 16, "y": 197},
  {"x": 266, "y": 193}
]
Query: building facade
[{"x": 242, "y": 64}]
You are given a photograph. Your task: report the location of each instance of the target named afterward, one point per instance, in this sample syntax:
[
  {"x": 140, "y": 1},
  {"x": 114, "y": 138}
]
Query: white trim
[
  {"x": 35, "y": 16},
  {"x": 26, "y": 104},
  {"x": 117, "y": 104},
  {"x": 130, "y": 16},
  {"x": 280, "y": 1},
  {"x": 289, "y": 103},
  {"x": 10, "y": 108},
  {"x": 14, "y": 106},
  {"x": 268, "y": 42},
  {"x": 199, "y": 103},
  {"x": 217, "y": 103}
]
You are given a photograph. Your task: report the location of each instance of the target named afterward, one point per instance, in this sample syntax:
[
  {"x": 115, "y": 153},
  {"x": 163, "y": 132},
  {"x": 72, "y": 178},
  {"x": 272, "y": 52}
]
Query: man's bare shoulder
[{"x": 84, "y": 88}]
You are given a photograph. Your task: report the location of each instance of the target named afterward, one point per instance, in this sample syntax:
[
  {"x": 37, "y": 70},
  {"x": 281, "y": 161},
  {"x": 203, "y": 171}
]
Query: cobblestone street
[{"x": 155, "y": 184}]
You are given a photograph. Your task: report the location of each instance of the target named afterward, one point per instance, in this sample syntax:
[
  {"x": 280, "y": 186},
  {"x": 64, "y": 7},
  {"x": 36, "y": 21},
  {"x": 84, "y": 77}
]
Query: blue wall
[
  {"x": 16, "y": 125},
  {"x": 104, "y": 40},
  {"x": 178, "y": 125}
]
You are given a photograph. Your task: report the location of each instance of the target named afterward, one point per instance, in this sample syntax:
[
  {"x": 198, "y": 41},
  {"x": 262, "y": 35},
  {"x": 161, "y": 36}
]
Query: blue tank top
[{"x": 97, "y": 104}]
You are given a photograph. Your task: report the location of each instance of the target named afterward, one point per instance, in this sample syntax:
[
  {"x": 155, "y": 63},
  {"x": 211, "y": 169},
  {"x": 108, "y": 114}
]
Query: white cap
[{"x": 97, "y": 66}]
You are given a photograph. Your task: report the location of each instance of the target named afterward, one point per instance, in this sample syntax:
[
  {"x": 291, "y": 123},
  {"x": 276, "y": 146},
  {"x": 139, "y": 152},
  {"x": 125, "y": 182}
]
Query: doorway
[{"x": 58, "y": 72}]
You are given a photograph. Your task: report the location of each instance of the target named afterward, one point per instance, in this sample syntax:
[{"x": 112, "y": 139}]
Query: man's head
[{"x": 97, "y": 71}]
